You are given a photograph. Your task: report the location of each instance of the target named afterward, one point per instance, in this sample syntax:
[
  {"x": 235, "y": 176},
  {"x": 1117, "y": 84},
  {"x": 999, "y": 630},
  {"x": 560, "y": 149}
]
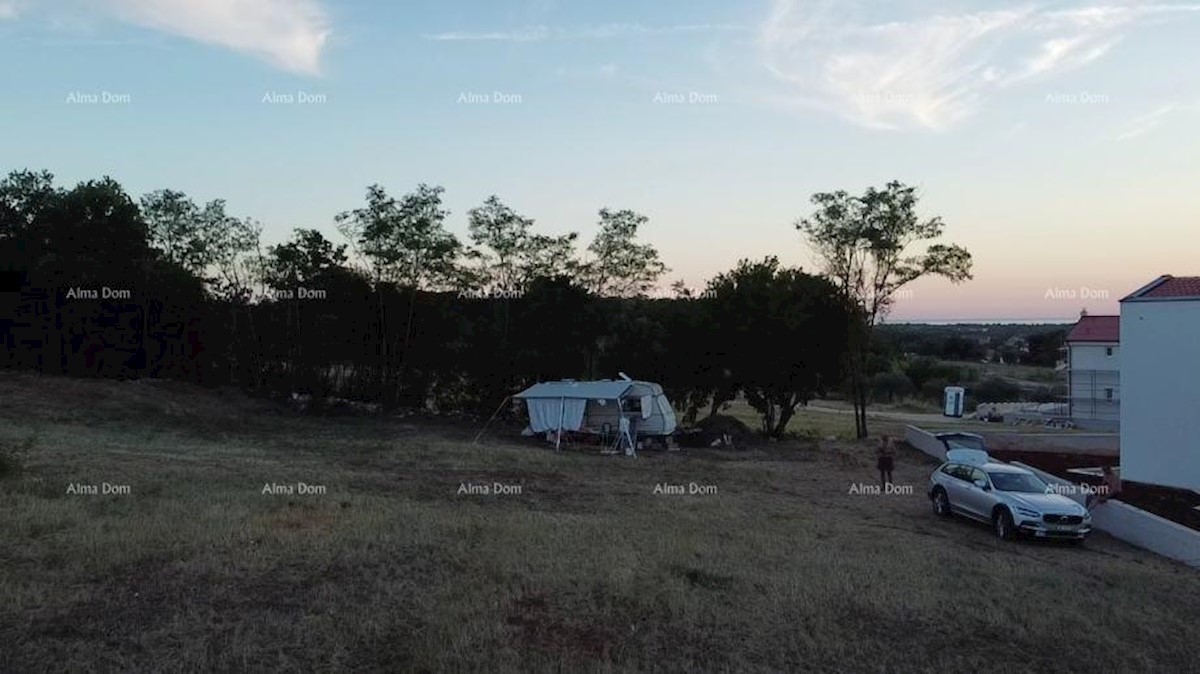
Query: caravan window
[
  {"x": 647, "y": 406},
  {"x": 633, "y": 405}
]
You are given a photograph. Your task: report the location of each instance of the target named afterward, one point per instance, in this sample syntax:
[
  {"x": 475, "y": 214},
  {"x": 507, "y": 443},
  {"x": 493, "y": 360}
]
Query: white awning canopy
[{"x": 577, "y": 390}]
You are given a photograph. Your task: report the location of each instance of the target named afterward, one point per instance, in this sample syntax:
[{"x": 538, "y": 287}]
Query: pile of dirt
[
  {"x": 717, "y": 430},
  {"x": 723, "y": 423}
]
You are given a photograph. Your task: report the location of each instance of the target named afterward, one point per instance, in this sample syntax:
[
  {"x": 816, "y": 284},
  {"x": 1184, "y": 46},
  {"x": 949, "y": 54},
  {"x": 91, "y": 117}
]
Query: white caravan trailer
[{"x": 597, "y": 407}]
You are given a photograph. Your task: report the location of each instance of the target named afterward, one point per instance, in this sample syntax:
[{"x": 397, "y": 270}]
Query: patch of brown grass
[{"x": 782, "y": 568}]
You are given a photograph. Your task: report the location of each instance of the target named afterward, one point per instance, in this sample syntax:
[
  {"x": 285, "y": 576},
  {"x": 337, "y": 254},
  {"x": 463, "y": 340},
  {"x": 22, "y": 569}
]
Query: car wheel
[
  {"x": 941, "y": 502},
  {"x": 1002, "y": 524}
]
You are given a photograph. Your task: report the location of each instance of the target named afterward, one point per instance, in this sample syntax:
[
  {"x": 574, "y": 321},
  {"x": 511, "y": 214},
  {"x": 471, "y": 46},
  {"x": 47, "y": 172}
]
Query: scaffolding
[{"x": 1093, "y": 394}]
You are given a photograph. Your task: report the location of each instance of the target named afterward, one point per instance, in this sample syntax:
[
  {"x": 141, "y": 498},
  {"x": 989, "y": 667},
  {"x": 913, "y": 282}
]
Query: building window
[
  {"x": 1108, "y": 393},
  {"x": 1108, "y": 351}
]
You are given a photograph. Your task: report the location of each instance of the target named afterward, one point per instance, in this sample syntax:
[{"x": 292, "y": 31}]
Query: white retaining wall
[
  {"x": 1134, "y": 525},
  {"x": 925, "y": 441},
  {"x": 1099, "y": 444}
]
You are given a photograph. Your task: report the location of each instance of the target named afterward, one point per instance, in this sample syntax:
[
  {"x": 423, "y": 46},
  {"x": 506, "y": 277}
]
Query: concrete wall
[
  {"x": 1149, "y": 531},
  {"x": 925, "y": 441},
  {"x": 1092, "y": 444},
  {"x": 1097, "y": 444},
  {"x": 1134, "y": 525},
  {"x": 1160, "y": 381}
]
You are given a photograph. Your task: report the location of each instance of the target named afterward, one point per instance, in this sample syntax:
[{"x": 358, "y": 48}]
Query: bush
[
  {"x": 934, "y": 390},
  {"x": 919, "y": 406},
  {"x": 996, "y": 390},
  {"x": 889, "y": 386},
  {"x": 961, "y": 348},
  {"x": 923, "y": 371}
]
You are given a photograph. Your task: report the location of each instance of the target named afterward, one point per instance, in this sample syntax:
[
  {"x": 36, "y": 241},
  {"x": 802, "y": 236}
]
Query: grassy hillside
[
  {"x": 1023, "y": 374},
  {"x": 777, "y": 567}
]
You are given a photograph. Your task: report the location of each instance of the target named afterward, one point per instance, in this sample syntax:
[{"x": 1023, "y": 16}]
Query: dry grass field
[
  {"x": 834, "y": 420},
  {"x": 776, "y": 566}
]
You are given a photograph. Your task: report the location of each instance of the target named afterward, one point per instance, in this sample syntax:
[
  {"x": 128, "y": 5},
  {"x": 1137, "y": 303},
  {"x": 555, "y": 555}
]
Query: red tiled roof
[
  {"x": 1096, "y": 329},
  {"x": 1176, "y": 286},
  {"x": 1167, "y": 287}
]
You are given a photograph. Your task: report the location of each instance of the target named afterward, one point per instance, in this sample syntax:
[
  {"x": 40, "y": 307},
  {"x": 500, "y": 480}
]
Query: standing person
[
  {"x": 625, "y": 428},
  {"x": 1108, "y": 489},
  {"x": 885, "y": 455}
]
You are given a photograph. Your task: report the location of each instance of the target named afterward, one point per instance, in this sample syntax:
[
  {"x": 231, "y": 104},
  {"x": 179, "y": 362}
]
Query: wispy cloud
[
  {"x": 525, "y": 34},
  {"x": 289, "y": 34},
  {"x": 601, "y": 32},
  {"x": 934, "y": 71},
  {"x": 1145, "y": 123},
  {"x": 607, "y": 71}
]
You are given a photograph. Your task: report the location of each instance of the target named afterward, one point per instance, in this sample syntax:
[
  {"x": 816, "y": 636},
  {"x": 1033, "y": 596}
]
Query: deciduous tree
[
  {"x": 621, "y": 267},
  {"x": 783, "y": 336},
  {"x": 864, "y": 242},
  {"x": 510, "y": 255}
]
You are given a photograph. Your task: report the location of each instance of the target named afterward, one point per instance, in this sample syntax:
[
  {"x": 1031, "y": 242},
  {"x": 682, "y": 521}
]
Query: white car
[{"x": 1011, "y": 499}]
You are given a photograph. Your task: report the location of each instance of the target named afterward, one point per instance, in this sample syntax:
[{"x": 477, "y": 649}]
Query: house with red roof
[
  {"x": 1093, "y": 372},
  {"x": 1160, "y": 376}
]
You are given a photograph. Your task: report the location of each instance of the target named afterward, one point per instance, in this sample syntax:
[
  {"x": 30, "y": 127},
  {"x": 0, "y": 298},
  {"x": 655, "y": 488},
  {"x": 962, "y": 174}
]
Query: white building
[
  {"x": 1160, "y": 375},
  {"x": 1094, "y": 372}
]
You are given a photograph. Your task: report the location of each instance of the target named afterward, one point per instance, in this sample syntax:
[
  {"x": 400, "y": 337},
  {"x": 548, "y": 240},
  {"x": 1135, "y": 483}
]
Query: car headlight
[{"x": 1026, "y": 512}]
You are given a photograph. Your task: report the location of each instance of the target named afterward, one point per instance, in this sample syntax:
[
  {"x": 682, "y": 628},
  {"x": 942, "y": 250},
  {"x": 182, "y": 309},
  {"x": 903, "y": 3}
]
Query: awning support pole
[{"x": 489, "y": 421}]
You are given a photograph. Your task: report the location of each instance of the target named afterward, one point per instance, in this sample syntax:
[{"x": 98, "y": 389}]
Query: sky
[{"x": 1056, "y": 140}]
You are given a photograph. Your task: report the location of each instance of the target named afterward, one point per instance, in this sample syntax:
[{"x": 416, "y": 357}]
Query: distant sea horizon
[{"x": 982, "y": 321}]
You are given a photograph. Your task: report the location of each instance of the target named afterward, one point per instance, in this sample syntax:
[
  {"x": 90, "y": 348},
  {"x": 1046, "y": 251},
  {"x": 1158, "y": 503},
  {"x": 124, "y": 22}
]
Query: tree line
[
  {"x": 1037, "y": 345},
  {"x": 404, "y": 313}
]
